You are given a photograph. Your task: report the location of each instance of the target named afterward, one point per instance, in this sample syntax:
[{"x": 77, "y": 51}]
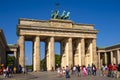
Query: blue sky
[{"x": 104, "y": 14}]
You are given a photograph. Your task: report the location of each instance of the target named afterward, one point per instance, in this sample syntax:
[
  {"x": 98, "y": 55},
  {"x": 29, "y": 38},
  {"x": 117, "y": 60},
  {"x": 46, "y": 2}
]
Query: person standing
[
  {"x": 89, "y": 69},
  {"x": 78, "y": 70},
  {"x": 84, "y": 71},
  {"x": 74, "y": 70},
  {"x": 94, "y": 70},
  {"x": 114, "y": 70},
  {"x": 67, "y": 72}
]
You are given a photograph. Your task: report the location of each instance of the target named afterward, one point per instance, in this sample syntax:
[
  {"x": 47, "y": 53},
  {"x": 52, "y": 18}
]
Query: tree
[
  {"x": 57, "y": 61},
  {"x": 10, "y": 60}
]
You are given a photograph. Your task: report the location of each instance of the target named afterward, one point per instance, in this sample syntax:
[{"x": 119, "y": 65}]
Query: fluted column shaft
[
  {"x": 94, "y": 52},
  {"x": 118, "y": 56},
  {"x": 21, "y": 53},
  {"x": 105, "y": 54},
  {"x": 36, "y": 55},
  {"x": 91, "y": 52},
  {"x": 69, "y": 53},
  {"x": 99, "y": 63},
  {"x": 83, "y": 51},
  {"x": 79, "y": 52},
  {"x": 112, "y": 60},
  {"x": 50, "y": 54}
]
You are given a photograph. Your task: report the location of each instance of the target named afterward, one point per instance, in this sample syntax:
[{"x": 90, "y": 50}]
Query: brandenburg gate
[{"x": 78, "y": 42}]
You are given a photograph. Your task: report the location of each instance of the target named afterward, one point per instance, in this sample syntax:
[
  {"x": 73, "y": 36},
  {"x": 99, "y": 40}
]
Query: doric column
[
  {"x": 94, "y": 52},
  {"x": 36, "y": 54},
  {"x": 70, "y": 52},
  {"x": 105, "y": 54},
  {"x": 83, "y": 51},
  {"x": 79, "y": 52},
  {"x": 91, "y": 52},
  {"x": 50, "y": 54},
  {"x": 118, "y": 56},
  {"x": 21, "y": 53},
  {"x": 63, "y": 52},
  {"x": 99, "y": 62},
  {"x": 112, "y": 60},
  {"x": 69, "y": 55}
]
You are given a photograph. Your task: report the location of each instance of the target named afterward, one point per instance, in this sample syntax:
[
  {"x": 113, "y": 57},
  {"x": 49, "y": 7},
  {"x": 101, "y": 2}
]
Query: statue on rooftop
[
  {"x": 67, "y": 15},
  {"x": 55, "y": 15},
  {"x": 63, "y": 15}
]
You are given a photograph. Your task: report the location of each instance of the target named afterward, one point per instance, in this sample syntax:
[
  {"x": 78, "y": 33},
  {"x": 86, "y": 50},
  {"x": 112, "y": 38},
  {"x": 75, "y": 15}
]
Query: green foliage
[
  {"x": 10, "y": 60},
  {"x": 42, "y": 63},
  {"x": 57, "y": 59},
  {"x": 29, "y": 67}
]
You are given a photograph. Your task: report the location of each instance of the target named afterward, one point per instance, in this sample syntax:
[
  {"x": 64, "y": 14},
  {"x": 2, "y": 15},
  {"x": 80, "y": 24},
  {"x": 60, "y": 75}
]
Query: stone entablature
[
  {"x": 109, "y": 48},
  {"x": 55, "y": 23},
  {"x": 12, "y": 48},
  {"x": 55, "y": 27}
]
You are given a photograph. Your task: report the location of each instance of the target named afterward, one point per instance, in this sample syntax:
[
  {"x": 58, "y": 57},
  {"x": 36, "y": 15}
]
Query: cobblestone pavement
[{"x": 53, "y": 76}]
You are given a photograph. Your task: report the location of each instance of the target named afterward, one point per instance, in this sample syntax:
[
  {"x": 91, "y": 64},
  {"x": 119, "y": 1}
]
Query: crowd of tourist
[
  {"x": 8, "y": 71},
  {"x": 111, "y": 70},
  {"x": 77, "y": 71},
  {"x": 90, "y": 70}
]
